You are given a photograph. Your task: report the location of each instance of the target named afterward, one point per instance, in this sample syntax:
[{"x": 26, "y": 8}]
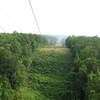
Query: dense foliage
[
  {"x": 48, "y": 74},
  {"x": 84, "y": 76},
  {"x": 15, "y": 61},
  {"x": 30, "y": 72}
]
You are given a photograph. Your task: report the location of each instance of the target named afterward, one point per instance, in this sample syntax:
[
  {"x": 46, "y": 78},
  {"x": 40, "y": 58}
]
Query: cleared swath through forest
[
  {"x": 63, "y": 50},
  {"x": 50, "y": 69}
]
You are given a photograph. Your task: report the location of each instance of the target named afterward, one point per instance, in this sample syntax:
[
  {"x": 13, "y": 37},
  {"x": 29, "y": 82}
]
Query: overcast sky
[{"x": 70, "y": 17}]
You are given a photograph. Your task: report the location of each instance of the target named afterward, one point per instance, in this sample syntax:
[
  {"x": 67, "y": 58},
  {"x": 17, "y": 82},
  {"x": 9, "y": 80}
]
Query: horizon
[{"x": 55, "y": 35}]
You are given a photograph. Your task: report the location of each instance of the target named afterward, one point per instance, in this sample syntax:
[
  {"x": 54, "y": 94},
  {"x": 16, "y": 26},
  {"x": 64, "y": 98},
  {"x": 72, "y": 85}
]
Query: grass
[
  {"x": 56, "y": 49},
  {"x": 49, "y": 71}
]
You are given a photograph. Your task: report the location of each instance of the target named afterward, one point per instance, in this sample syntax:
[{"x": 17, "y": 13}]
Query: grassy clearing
[
  {"x": 61, "y": 50},
  {"x": 49, "y": 71}
]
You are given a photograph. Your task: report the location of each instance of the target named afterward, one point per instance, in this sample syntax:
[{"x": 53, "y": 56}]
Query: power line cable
[
  {"x": 34, "y": 16},
  {"x": 2, "y": 28},
  {"x": 11, "y": 19}
]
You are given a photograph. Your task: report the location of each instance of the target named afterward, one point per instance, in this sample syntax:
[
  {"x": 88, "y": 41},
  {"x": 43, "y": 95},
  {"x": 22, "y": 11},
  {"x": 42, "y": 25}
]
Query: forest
[
  {"x": 85, "y": 73},
  {"x": 32, "y": 70}
]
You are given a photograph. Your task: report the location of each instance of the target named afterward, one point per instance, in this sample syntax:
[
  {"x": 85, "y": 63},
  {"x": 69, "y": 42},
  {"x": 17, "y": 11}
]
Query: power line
[
  {"x": 34, "y": 16},
  {"x": 2, "y": 28},
  {"x": 11, "y": 19}
]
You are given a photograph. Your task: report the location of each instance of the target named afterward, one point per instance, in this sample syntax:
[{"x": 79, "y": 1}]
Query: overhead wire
[
  {"x": 2, "y": 28},
  {"x": 11, "y": 19},
  {"x": 33, "y": 13}
]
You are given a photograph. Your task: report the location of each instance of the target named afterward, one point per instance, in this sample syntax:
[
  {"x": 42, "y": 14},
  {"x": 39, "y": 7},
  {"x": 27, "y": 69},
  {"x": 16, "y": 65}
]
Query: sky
[{"x": 55, "y": 17}]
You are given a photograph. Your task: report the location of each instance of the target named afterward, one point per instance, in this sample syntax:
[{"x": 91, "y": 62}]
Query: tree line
[
  {"x": 15, "y": 61},
  {"x": 52, "y": 40},
  {"x": 84, "y": 74},
  {"x": 29, "y": 74}
]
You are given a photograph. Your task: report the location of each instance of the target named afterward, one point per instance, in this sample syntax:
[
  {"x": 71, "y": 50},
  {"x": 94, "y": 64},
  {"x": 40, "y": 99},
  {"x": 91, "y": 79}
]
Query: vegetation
[
  {"x": 31, "y": 71},
  {"x": 15, "y": 61},
  {"x": 48, "y": 74},
  {"x": 85, "y": 73}
]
